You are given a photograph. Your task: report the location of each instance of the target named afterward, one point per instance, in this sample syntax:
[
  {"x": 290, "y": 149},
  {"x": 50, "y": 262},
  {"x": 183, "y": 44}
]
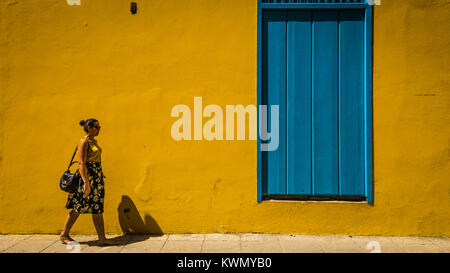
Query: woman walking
[{"x": 89, "y": 197}]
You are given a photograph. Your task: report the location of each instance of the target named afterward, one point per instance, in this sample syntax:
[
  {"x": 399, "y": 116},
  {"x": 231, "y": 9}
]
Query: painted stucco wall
[{"x": 60, "y": 64}]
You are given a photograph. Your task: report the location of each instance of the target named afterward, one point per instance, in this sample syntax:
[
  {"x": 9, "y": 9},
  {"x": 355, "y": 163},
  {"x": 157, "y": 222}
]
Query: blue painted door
[{"x": 313, "y": 68}]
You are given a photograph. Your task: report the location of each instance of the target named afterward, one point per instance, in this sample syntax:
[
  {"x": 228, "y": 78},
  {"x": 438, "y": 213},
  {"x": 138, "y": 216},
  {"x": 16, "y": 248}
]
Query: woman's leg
[
  {"x": 70, "y": 221},
  {"x": 100, "y": 227}
]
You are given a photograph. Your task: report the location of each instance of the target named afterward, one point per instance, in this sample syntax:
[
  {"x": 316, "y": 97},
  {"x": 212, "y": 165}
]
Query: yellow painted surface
[{"x": 60, "y": 64}]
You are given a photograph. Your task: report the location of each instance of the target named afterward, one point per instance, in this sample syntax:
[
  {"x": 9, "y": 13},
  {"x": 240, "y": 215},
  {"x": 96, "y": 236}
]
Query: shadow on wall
[{"x": 131, "y": 222}]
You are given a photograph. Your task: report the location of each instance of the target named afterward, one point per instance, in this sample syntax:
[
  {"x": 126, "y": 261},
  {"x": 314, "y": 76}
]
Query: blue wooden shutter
[{"x": 313, "y": 68}]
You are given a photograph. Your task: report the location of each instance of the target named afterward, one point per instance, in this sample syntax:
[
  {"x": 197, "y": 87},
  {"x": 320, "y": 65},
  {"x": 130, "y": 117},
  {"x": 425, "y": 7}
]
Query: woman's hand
[{"x": 86, "y": 189}]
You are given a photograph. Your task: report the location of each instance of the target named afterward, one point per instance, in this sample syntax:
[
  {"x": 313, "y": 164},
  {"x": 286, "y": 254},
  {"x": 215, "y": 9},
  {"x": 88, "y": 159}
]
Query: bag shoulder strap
[{"x": 70, "y": 164}]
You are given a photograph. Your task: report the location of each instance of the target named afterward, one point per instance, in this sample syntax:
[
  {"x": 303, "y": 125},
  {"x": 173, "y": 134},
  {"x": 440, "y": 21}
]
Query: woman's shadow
[
  {"x": 131, "y": 222},
  {"x": 133, "y": 227}
]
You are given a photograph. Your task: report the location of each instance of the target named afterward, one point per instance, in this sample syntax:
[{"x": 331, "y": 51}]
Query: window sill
[{"x": 315, "y": 199}]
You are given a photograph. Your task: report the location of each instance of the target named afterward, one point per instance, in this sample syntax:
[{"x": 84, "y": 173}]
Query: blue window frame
[{"x": 315, "y": 62}]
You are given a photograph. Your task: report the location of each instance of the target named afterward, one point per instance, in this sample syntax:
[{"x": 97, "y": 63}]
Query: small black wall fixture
[{"x": 133, "y": 7}]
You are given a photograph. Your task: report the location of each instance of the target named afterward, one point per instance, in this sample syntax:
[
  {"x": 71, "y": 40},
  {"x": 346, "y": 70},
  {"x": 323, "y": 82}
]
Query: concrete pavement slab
[
  {"x": 258, "y": 237},
  {"x": 32, "y": 244},
  {"x": 6, "y": 241},
  {"x": 102, "y": 249},
  {"x": 186, "y": 237},
  {"x": 151, "y": 237},
  {"x": 419, "y": 248},
  {"x": 378, "y": 244},
  {"x": 59, "y": 247},
  {"x": 300, "y": 244},
  {"x": 222, "y": 237},
  {"x": 442, "y": 243},
  {"x": 182, "y": 246},
  {"x": 339, "y": 244},
  {"x": 271, "y": 245},
  {"x": 416, "y": 244},
  {"x": 221, "y": 246},
  {"x": 148, "y": 246}
]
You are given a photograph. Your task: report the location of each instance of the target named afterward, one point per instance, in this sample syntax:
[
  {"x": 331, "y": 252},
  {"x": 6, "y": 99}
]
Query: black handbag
[{"x": 70, "y": 181}]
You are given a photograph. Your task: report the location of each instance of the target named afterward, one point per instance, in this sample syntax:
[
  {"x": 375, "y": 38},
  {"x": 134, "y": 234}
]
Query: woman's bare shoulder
[{"x": 83, "y": 142}]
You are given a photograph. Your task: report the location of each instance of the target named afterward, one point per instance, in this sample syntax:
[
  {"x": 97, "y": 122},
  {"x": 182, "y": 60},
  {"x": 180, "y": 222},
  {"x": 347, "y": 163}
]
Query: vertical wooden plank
[
  {"x": 299, "y": 103},
  {"x": 274, "y": 89},
  {"x": 326, "y": 180},
  {"x": 368, "y": 103},
  {"x": 351, "y": 73},
  {"x": 259, "y": 191}
]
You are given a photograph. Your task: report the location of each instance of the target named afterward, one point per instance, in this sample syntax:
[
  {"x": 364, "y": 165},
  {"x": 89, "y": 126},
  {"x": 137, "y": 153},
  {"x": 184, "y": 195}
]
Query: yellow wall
[{"x": 60, "y": 64}]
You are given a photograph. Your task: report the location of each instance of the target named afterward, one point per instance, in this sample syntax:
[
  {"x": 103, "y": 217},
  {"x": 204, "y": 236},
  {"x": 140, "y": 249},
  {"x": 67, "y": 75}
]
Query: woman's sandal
[{"x": 65, "y": 239}]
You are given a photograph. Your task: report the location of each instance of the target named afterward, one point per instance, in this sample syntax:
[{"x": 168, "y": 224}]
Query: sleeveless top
[{"x": 94, "y": 152}]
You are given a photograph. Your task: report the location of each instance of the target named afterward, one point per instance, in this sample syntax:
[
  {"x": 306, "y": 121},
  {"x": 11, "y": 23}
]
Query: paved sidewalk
[{"x": 226, "y": 243}]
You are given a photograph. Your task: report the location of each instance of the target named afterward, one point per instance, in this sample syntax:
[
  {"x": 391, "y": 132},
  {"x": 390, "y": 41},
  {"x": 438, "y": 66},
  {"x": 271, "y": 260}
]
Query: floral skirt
[{"x": 93, "y": 203}]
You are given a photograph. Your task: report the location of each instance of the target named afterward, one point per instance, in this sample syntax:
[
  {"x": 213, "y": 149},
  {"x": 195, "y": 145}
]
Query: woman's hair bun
[{"x": 82, "y": 123}]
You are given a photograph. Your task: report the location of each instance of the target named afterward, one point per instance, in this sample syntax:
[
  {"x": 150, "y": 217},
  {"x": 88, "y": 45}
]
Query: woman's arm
[{"x": 82, "y": 157}]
